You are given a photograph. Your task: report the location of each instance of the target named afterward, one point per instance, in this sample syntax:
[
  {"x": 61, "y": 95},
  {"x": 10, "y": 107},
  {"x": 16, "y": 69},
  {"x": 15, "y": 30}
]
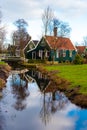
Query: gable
[
  {"x": 43, "y": 44},
  {"x": 29, "y": 46}
]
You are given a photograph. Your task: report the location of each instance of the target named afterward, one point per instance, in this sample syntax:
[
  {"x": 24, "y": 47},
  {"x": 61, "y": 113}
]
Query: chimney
[{"x": 55, "y": 31}]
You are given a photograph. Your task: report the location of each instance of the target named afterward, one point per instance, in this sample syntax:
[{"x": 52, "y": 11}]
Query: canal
[{"x": 30, "y": 102}]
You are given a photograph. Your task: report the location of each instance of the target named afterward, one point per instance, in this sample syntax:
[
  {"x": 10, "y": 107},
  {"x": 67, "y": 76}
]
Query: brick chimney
[{"x": 55, "y": 31}]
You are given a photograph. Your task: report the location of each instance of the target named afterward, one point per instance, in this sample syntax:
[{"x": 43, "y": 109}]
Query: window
[
  {"x": 47, "y": 53},
  {"x": 64, "y": 53},
  {"x": 40, "y": 53},
  {"x": 70, "y": 53},
  {"x": 33, "y": 55},
  {"x": 57, "y": 54}
]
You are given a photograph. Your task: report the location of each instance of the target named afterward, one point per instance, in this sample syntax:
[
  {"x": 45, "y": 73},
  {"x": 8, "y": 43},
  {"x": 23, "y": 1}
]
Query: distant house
[
  {"x": 19, "y": 49},
  {"x": 11, "y": 50},
  {"x": 53, "y": 48},
  {"x": 82, "y": 50}
]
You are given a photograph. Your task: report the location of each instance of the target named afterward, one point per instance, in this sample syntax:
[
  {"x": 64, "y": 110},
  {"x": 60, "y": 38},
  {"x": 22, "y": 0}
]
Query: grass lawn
[
  {"x": 2, "y": 63},
  {"x": 76, "y": 74}
]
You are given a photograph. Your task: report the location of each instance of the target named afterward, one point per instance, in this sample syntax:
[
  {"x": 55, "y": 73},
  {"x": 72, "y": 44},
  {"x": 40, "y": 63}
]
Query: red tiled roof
[
  {"x": 81, "y": 48},
  {"x": 60, "y": 43}
]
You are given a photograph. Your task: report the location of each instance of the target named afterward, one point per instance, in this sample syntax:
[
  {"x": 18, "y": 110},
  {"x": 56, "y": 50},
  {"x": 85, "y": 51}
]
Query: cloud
[
  {"x": 68, "y": 8},
  {"x": 31, "y": 10},
  {"x": 28, "y": 9}
]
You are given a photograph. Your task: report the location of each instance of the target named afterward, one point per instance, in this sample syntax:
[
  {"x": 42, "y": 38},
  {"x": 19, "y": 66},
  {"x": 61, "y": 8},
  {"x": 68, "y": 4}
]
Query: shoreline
[
  {"x": 4, "y": 73},
  {"x": 61, "y": 84}
]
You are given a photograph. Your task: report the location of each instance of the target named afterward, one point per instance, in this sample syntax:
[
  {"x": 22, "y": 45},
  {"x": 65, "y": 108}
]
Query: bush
[
  {"x": 78, "y": 59},
  {"x": 35, "y": 61}
]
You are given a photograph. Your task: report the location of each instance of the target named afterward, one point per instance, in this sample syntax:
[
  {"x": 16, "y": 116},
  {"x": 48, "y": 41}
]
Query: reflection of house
[
  {"x": 53, "y": 48},
  {"x": 82, "y": 50},
  {"x": 40, "y": 79}
]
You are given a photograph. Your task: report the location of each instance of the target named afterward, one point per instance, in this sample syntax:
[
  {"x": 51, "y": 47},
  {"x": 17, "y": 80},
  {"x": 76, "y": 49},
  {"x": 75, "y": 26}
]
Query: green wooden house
[
  {"x": 30, "y": 46},
  {"x": 41, "y": 51},
  {"x": 53, "y": 48}
]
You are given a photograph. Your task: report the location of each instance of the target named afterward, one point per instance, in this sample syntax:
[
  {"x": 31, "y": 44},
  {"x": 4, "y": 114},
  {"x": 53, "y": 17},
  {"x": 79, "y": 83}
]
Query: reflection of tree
[
  {"x": 20, "y": 91},
  {"x": 45, "y": 113},
  {"x": 51, "y": 103}
]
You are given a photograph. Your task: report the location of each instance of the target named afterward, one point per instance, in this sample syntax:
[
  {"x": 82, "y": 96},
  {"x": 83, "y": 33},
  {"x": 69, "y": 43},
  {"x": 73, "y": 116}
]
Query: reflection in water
[
  {"x": 41, "y": 80},
  {"x": 52, "y": 102},
  {"x": 45, "y": 108},
  {"x": 20, "y": 91}
]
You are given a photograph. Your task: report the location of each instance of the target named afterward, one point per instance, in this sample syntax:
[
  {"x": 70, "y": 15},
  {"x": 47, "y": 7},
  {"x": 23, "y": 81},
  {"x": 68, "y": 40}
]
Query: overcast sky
[{"x": 72, "y": 11}]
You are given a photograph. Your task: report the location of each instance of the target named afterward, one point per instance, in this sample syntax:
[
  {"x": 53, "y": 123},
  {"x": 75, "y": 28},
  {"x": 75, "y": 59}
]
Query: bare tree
[
  {"x": 63, "y": 27},
  {"x": 50, "y": 21},
  {"x": 47, "y": 18},
  {"x": 85, "y": 40},
  {"x": 20, "y": 36},
  {"x": 2, "y": 33}
]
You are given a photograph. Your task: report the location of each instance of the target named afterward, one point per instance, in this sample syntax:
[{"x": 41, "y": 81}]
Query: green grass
[
  {"x": 76, "y": 74},
  {"x": 2, "y": 63}
]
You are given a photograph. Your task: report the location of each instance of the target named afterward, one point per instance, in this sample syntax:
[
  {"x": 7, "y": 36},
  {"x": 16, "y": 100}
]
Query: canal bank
[
  {"x": 63, "y": 85},
  {"x": 4, "y": 73}
]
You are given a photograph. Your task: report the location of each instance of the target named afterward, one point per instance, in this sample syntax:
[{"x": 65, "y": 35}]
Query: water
[{"x": 34, "y": 106}]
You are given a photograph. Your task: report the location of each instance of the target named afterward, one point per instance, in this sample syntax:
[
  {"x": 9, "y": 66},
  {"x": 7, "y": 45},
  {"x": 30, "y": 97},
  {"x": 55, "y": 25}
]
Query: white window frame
[
  {"x": 64, "y": 53},
  {"x": 46, "y": 54},
  {"x": 57, "y": 54},
  {"x": 41, "y": 54},
  {"x": 70, "y": 53}
]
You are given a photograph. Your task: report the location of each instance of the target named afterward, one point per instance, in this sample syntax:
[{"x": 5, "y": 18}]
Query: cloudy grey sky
[{"x": 72, "y": 11}]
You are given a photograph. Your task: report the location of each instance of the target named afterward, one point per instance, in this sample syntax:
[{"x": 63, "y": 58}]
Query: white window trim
[
  {"x": 41, "y": 54},
  {"x": 64, "y": 53},
  {"x": 70, "y": 53},
  {"x": 57, "y": 54},
  {"x": 46, "y": 54}
]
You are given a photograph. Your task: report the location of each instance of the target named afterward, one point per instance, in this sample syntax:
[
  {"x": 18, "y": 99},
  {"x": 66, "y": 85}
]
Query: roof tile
[{"x": 60, "y": 43}]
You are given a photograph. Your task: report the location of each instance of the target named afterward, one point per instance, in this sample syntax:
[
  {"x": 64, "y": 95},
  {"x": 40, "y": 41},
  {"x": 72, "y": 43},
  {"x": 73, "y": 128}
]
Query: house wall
[{"x": 62, "y": 57}]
